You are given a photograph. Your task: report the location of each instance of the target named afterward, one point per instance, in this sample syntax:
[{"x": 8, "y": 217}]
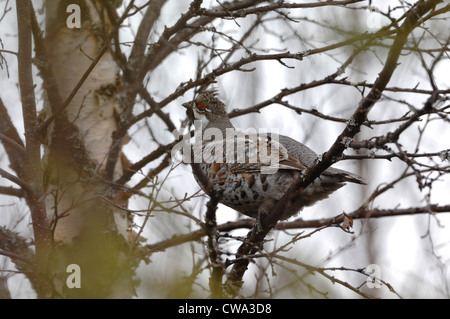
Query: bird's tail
[{"x": 344, "y": 176}]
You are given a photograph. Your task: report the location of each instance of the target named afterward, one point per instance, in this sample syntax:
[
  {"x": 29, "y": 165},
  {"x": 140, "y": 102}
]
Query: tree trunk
[{"x": 88, "y": 230}]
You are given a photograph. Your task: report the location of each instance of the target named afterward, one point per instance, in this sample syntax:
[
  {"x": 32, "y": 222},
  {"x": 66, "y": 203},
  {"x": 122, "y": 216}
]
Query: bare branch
[
  {"x": 218, "y": 267},
  {"x": 15, "y": 247},
  {"x": 18, "y": 192},
  {"x": 269, "y": 221},
  {"x": 359, "y": 214},
  {"x": 32, "y": 174},
  {"x": 12, "y": 143}
]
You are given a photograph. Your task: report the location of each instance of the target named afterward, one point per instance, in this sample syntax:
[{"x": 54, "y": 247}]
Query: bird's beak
[{"x": 189, "y": 111}]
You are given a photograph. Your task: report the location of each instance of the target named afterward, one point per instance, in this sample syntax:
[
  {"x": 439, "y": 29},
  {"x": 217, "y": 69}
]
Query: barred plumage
[{"x": 252, "y": 186}]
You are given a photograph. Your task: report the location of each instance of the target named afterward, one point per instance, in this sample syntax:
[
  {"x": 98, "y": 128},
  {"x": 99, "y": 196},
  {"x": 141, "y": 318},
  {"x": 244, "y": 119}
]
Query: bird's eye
[{"x": 201, "y": 107}]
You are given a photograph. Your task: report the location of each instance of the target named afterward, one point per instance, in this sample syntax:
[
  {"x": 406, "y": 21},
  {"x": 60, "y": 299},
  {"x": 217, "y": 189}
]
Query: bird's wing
[
  {"x": 261, "y": 154},
  {"x": 247, "y": 153}
]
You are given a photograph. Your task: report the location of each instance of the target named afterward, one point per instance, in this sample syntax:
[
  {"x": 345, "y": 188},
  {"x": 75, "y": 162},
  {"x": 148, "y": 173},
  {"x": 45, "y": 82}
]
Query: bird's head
[{"x": 206, "y": 107}]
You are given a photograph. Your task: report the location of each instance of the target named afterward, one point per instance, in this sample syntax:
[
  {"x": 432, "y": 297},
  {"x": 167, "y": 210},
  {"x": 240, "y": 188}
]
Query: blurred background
[{"x": 411, "y": 251}]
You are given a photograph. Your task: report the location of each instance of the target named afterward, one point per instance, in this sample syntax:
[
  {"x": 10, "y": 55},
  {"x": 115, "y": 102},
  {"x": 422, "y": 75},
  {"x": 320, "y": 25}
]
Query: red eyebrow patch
[{"x": 202, "y": 106}]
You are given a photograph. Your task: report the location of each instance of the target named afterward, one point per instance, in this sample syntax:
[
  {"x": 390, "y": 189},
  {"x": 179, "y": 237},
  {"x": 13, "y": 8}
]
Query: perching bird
[{"x": 248, "y": 182}]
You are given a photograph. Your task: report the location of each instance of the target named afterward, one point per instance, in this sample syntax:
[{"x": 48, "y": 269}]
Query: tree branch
[
  {"x": 268, "y": 222},
  {"x": 15, "y": 247},
  {"x": 23, "y": 184},
  {"x": 359, "y": 214},
  {"x": 218, "y": 268},
  {"x": 140, "y": 42},
  {"x": 12, "y": 143},
  {"x": 18, "y": 192},
  {"x": 242, "y": 13},
  {"x": 33, "y": 174}
]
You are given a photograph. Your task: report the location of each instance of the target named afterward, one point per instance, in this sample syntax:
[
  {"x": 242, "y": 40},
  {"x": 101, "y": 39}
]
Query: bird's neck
[{"x": 222, "y": 123}]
